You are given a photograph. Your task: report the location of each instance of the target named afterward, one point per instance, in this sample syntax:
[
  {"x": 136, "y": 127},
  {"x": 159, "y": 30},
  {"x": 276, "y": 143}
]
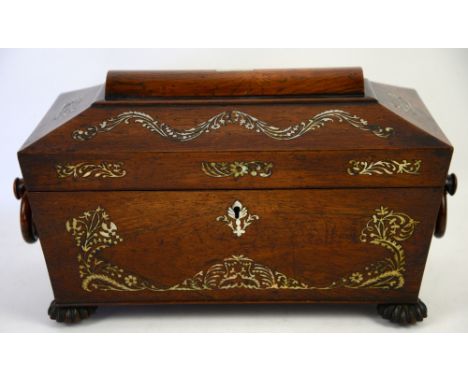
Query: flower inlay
[
  {"x": 93, "y": 232},
  {"x": 235, "y": 117},
  {"x": 237, "y": 169}
]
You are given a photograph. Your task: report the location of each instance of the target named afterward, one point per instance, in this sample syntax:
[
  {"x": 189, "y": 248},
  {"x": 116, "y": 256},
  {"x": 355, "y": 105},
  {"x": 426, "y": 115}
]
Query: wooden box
[{"x": 278, "y": 186}]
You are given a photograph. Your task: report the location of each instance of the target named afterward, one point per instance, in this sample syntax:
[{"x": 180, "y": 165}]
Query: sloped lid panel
[
  {"x": 246, "y": 127},
  {"x": 221, "y": 130},
  {"x": 407, "y": 104},
  {"x": 149, "y": 146},
  {"x": 66, "y": 107}
]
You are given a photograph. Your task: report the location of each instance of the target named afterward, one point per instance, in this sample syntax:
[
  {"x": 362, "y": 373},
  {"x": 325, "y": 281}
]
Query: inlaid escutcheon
[
  {"x": 317, "y": 245},
  {"x": 94, "y": 231}
]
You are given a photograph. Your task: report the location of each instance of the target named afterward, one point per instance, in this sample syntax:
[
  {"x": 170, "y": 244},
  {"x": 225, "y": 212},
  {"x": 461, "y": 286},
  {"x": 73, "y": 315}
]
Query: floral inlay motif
[
  {"x": 88, "y": 169},
  {"x": 93, "y": 232},
  {"x": 389, "y": 167},
  {"x": 234, "y": 117},
  {"x": 237, "y": 169}
]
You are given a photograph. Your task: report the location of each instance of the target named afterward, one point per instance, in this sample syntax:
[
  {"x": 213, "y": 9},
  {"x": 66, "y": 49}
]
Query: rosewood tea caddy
[{"x": 269, "y": 186}]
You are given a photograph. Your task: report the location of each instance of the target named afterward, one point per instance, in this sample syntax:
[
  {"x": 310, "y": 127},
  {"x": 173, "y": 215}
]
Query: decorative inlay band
[
  {"x": 93, "y": 232},
  {"x": 237, "y": 169},
  {"x": 389, "y": 167},
  {"x": 88, "y": 169},
  {"x": 232, "y": 117},
  {"x": 237, "y": 218}
]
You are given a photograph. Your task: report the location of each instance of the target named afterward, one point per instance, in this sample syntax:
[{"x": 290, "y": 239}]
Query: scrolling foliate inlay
[
  {"x": 228, "y": 118},
  {"x": 88, "y": 169},
  {"x": 237, "y": 169},
  {"x": 93, "y": 232},
  {"x": 389, "y": 167}
]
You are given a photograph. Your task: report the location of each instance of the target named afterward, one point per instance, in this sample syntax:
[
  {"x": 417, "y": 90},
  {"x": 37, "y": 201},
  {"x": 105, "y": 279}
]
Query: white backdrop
[{"x": 30, "y": 80}]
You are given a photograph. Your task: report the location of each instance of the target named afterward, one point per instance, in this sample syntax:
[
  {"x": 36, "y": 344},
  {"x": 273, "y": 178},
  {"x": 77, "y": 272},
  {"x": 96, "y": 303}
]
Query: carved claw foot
[
  {"x": 69, "y": 314},
  {"x": 403, "y": 314}
]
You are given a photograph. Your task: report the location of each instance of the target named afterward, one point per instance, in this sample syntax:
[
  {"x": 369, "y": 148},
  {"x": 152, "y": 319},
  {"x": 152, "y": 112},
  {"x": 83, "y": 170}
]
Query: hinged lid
[{"x": 232, "y": 130}]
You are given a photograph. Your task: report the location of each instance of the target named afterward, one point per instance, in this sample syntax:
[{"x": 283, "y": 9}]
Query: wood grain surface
[
  {"x": 309, "y": 235},
  {"x": 149, "y": 84},
  {"x": 131, "y": 161}
]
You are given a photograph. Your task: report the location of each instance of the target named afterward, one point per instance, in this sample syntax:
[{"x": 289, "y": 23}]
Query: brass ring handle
[
  {"x": 28, "y": 229},
  {"x": 441, "y": 222}
]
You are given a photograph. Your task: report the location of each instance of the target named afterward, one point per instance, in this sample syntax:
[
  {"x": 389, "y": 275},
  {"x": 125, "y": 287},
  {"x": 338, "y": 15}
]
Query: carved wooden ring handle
[
  {"x": 28, "y": 229},
  {"x": 441, "y": 223}
]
